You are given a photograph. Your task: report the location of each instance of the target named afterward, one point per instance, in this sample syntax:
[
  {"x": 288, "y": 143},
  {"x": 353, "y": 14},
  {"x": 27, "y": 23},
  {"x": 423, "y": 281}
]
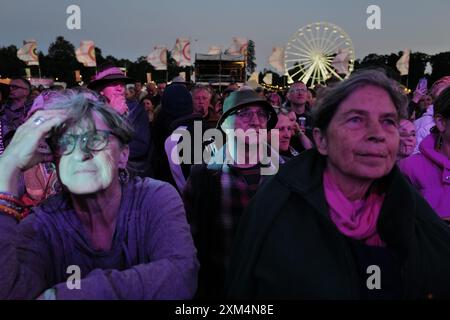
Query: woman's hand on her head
[{"x": 23, "y": 150}]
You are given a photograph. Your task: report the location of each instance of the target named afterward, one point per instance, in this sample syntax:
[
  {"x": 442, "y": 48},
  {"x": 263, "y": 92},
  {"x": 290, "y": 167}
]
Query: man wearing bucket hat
[
  {"x": 216, "y": 194},
  {"x": 110, "y": 82}
]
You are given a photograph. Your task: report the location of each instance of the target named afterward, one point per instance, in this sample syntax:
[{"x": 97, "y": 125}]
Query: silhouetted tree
[{"x": 251, "y": 65}]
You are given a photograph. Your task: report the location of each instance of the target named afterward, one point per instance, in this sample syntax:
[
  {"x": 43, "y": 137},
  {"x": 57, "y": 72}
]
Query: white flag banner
[
  {"x": 238, "y": 47},
  {"x": 181, "y": 53},
  {"x": 428, "y": 69},
  {"x": 254, "y": 77},
  {"x": 214, "y": 50},
  {"x": 268, "y": 78},
  {"x": 341, "y": 61},
  {"x": 28, "y": 53},
  {"x": 158, "y": 58},
  {"x": 86, "y": 53},
  {"x": 276, "y": 59},
  {"x": 403, "y": 63}
]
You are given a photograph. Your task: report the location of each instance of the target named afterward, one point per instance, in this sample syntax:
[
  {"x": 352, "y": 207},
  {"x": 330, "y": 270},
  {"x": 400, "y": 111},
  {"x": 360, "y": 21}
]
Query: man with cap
[
  {"x": 110, "y": 82},
  {"x": 216, "y": 194}
]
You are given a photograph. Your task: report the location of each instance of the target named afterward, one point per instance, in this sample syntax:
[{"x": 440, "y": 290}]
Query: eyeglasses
[
  {"x": 90, "y": 141},
  {"x": 247, "y": 114}
]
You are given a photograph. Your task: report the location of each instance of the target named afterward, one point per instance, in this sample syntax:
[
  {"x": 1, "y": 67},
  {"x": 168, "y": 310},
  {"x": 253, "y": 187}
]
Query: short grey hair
[
  {"x": 81, "y": 105},
  {"x": 329, "y": 102},
  {"x": 201, "y": 87}
]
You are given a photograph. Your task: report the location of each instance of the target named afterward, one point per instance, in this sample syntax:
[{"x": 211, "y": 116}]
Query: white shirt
[{"x": 423, "y": 126}]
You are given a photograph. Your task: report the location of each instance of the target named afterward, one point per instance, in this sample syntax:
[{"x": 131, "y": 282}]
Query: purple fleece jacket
[
  {"x": 429, "y": 172},
  {"x": 152, "y": 254}
]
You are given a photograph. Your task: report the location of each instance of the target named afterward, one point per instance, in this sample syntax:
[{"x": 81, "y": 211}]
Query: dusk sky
[{"x": 129, "y": 29}]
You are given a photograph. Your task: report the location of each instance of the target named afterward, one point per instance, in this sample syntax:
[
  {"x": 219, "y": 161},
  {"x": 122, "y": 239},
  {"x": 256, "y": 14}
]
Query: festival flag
[
  {"x": 276, "y": 59},
  {"x": 158, "y": 58},
  {"x": 214, "y": 50},
  {"x": 403, "y": 63},
  {"x": 28, "y": 53},
  {"x": 428, "y": 69},
  {"x": 181, "y": 53},
  {"x": 86, "y": 53},
  {"x": 341, "y": 61},
  {"x": 238, "y": 47},
  {"x": 268, "y": 79}
]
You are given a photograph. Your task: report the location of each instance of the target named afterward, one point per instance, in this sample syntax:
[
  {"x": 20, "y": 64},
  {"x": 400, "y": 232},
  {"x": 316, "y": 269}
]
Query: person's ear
[
  {"x": 441, "y": 123},
  {"x": 321, "y": 141},
  {"x": 123, "y": 157}
]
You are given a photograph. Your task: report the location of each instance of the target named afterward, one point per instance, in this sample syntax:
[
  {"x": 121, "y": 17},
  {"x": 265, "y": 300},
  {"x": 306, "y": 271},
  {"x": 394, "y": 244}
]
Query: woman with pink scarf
[{"x": 340, "y": 221}]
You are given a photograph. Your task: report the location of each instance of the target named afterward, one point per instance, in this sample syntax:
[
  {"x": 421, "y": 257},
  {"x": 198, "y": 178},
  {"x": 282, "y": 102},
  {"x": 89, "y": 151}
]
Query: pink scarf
[{"x": 355, "y": 219}]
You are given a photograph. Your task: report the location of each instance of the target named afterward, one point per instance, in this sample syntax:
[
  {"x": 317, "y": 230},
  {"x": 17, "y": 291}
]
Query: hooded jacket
[
  {"x": 429, "y": 172},
  {"x": 287, "y": 247}
]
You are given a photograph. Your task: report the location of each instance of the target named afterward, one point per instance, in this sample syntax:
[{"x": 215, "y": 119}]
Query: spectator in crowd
[
  {"x": 35, "y": 92},
  {"x": 297, "y": 101},
  {"x": 148, "y": 106},
  {"x": 426, "y": 122},
  {"x": 139, "y": 91},
  {"x": 160, "y": 87},
  {"x": 429, "y": 170},
  {"x": 4, "y": 92},
  {"x": 202, "y": 104},
  {"x": 312, "y": 231},
  {"x": 275, "y": 99},
  {"x": 130, "y": 94},
  {"x": 175, "y": 115},
  {"x": 260, "y": 91},
  {"x": 286, "y": 131},
  {"x": 408, "y": 141},
  {"x": 110, "y": 82},
  {"x": 128, "y": 237},
  {"x": 14, "y": 111},
  {"x": 217, "y": 193},
  {"x": 201, "y": 97},
  {"x": 424, "y": 103}
]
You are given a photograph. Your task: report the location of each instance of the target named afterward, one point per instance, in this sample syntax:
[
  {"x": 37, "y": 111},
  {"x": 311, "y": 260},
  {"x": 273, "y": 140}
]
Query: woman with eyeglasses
[{"x": 106, "y": 236}]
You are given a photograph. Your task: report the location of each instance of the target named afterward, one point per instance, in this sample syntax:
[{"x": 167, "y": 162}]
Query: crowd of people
[{"x": 322, "y": 183}]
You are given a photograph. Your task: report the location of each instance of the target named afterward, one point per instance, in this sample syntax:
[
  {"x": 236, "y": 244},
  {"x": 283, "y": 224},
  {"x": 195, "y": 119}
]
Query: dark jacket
[
  {"x": 141, "y": 145},
  {"x": 287, "y": 247}
]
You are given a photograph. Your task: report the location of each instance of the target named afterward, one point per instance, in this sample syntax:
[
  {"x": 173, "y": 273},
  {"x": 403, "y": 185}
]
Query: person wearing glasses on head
[
  {"x": 122, "y": 237},
  {"x": 217, "y": 193}
]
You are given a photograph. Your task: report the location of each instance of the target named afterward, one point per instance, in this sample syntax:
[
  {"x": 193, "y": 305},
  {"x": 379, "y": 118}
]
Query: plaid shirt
[{"x": 215, "y": 199}]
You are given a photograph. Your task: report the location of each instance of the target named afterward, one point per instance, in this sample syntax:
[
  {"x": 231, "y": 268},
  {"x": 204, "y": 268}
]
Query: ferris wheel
[{"x": 317, "y": 52}]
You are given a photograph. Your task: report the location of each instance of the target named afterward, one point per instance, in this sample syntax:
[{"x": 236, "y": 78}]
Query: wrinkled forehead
[
  {"x": 283, "y": 120},
  {"x": 253, "y": 107},
  {"x": 298, "y": 85},
  {"x": 202, "y": 92},
  {"x": 88, "y": 123}
]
